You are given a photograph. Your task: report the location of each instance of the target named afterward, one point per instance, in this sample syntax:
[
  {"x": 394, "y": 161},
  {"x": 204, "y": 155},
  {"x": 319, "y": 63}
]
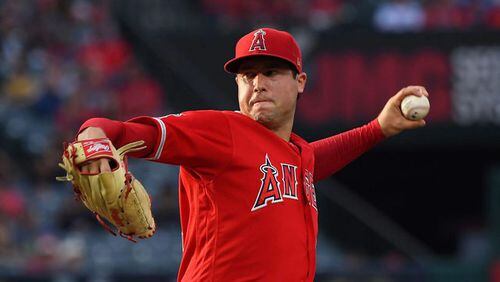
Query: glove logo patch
[{"x": 92, "y": 148}]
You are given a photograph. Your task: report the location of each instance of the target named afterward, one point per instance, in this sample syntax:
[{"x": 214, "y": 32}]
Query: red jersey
[{"x": 247, "y": 199}]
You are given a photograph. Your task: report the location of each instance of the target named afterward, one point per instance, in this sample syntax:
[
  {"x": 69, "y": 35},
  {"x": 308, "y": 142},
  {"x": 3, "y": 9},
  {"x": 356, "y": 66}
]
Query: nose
[{"x": 259, "y": 83}]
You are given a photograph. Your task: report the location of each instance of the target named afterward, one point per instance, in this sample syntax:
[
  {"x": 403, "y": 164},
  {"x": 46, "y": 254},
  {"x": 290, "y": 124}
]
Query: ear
[{"x": 301, "y": 82}]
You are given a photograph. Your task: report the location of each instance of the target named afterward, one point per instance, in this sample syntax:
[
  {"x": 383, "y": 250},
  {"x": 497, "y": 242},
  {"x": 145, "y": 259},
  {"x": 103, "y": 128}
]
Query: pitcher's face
[{"x": 268, "y": 89}]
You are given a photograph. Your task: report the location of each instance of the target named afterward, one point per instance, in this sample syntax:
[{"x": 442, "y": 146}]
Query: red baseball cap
[{"x": 266, "y": 42}]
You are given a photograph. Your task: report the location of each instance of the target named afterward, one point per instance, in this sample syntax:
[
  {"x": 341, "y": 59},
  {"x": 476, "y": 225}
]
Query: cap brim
[{"x": 232, "y": 65}]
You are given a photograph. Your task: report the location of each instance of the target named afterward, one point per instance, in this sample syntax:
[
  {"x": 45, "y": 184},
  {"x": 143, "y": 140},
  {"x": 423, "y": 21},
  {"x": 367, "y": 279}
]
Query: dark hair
[{"x": 294, "y": 70}]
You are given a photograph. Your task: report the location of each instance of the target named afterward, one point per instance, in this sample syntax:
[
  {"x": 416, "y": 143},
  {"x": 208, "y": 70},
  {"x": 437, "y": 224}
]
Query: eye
[
  {"x": 249, "y": 75},
  {"x": 270, "y": 73}
]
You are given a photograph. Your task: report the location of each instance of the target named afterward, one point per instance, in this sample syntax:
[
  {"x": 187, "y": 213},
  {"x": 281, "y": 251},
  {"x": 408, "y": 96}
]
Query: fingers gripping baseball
[{"x": 392, "y": 120}]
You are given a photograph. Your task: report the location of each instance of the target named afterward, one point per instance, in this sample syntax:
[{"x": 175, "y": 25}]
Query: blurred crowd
[
  {"x": 386, "y": 16},
  {"x": 62, "y": 62}
]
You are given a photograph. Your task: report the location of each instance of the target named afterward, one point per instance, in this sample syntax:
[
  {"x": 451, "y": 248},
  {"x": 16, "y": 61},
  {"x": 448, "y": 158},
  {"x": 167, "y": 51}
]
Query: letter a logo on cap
[{"x": 258, "y": 42}]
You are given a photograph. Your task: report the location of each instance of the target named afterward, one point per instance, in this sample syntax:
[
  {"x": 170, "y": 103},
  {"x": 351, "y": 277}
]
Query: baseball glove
[{"x": 115, "y": 196}]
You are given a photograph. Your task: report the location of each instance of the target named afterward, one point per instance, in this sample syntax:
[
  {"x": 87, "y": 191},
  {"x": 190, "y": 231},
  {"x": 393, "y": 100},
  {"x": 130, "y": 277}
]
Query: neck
[
  {"x": 284, "y": 131},
  {"x": 282, "y": 128}
]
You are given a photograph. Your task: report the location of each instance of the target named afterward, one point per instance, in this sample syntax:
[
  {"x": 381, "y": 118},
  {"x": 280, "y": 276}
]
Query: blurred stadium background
[{"x": 422, "y": 206}]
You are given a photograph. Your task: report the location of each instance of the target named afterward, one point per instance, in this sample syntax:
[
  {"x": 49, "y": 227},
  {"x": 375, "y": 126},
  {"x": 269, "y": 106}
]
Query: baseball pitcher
[{"x": 248, "y": 209}]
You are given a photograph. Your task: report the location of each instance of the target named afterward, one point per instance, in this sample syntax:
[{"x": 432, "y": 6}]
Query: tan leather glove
[{"x": 115, "y": 196}]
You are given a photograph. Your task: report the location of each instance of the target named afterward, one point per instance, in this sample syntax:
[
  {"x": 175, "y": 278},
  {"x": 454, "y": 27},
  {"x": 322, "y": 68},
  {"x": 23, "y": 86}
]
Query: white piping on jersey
[{"x": 162, "y": 140}]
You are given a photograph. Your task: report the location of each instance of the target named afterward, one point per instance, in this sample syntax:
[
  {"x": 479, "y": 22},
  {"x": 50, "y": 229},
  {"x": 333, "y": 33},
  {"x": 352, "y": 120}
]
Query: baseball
[{"x": 415, "y": 107}]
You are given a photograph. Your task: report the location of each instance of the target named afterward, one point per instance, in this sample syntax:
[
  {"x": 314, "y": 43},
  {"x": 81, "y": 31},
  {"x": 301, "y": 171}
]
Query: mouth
[{"x": 257, "y": 101}]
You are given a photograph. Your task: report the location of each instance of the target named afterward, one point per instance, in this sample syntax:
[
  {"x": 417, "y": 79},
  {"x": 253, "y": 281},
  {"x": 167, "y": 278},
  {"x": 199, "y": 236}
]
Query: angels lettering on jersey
[{"x": 275, "y": 189}]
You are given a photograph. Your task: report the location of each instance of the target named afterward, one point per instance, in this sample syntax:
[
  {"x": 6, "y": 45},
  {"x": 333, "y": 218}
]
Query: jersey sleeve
[
  {"x": 333, "y": 153},
  {"x": 198, "y": 140},
  {"x": 121, "y": 133}
]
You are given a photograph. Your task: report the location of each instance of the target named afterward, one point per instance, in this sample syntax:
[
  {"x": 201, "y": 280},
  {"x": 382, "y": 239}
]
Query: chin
[
  {"x": 261, "y": 116},
  {"x": 265, "y": 119}
]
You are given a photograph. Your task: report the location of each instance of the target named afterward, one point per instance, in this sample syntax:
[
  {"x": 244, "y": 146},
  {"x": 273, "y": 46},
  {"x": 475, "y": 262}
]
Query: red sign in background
[{"x": 353, "y": 87}]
